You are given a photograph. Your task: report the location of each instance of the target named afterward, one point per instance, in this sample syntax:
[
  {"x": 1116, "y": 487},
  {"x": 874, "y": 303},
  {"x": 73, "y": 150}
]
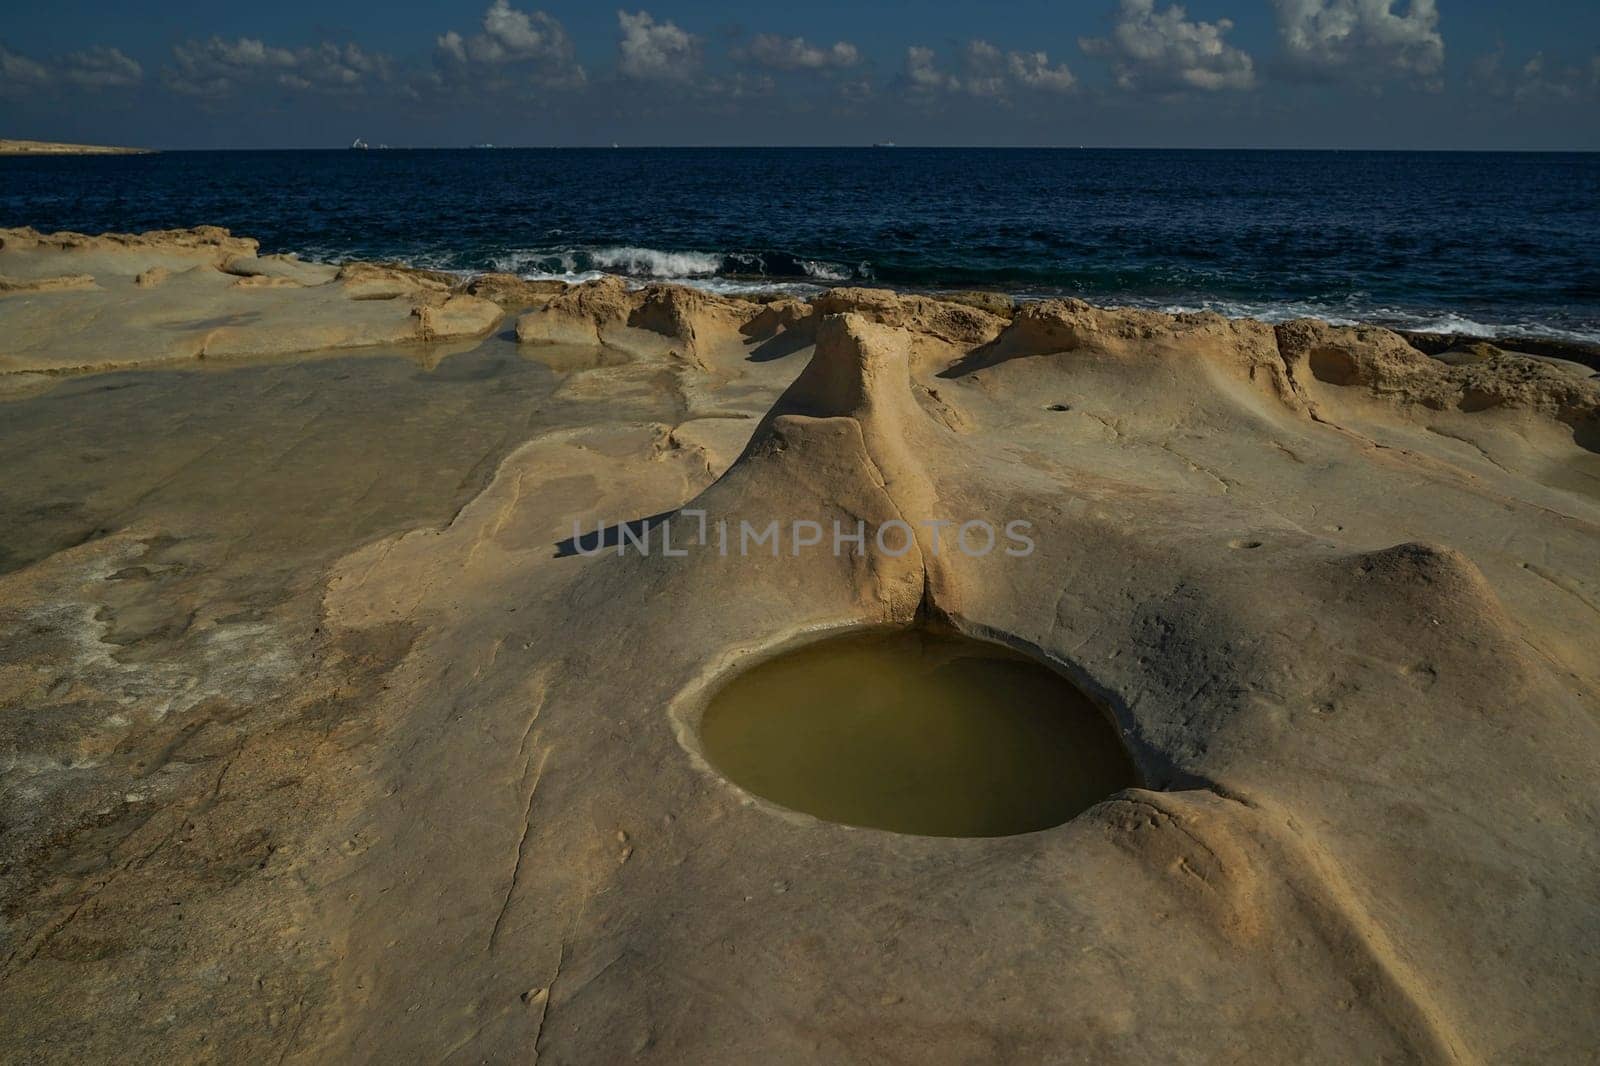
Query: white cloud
[
  {"x": 451, "y": 44},
  {"x": 740, "y": 86},
  {"x": 531, "y": 41},
  {"x": 1164, "y": 50},
  {"x": 1033, "y": 69},
  {"x": 1536, "y": 79},
  {"x": 519, "y": 33},
  {"x": 93, "y": 68},
  {"x": 922, "y": 70},
  {"x": 1361, "y": 37},
  {"x": 857, "y": 90},
  {"x": 20, "y": 75},
  {"x": 218, "y": 67},
  {"x": 656, "y": 51},
  {"x": 101, "y": 68},
  {"x": 985, "y": 70},
  {"x": 796, "y": 53}
]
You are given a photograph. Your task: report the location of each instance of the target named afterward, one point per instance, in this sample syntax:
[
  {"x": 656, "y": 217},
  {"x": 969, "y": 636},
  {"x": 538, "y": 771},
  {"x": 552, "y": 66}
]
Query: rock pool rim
[{"x": 687, "y": 711}]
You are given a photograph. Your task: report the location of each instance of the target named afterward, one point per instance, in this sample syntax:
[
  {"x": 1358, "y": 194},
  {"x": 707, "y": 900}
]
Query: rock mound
[
  {"x": 183, "y": 294},
  {"x": 512, "y": 292},
  {"x": 656, "y": 321},
  {"x": 386, "y": 281},
  {"x": 1387, "y": 366},
  {"x": 955, "y": 323},
  {"x": 210, "y": 240}
]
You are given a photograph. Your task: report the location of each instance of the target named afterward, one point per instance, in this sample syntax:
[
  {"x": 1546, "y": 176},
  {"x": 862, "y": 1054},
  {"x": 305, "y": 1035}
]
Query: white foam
[
  {"x": 639, "y": 266},
  {"x": 816, "y": 268},
  {"x": 535, "y": 264},
  {"x": 738, "y": 286},
  {"x": 649, "y": 262},
  {"x": 686, "y": 267},
  {"x": 1395, "y": 318}
]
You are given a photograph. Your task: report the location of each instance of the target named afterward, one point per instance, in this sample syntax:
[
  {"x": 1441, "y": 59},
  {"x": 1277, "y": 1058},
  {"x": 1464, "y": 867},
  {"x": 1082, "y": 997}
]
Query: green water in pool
[{"x": 915, "y": 732}]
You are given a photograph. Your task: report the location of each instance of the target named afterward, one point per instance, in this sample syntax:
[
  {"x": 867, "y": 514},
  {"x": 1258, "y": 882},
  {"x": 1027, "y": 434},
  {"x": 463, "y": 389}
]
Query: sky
[{"x": 1402, "y": 74}]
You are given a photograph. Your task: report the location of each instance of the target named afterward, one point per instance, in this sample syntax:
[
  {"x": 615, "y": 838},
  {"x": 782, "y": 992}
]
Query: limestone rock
[
  {"x": 435, "y": 790},
  {"x": 656, "y": 321},
  {"x": 211, "y": 241},
  {"x": 382, "y": 281},
  {"x": 59, "y": 283},
  {"x": 265, "y": 281},
  {"x": 996, "y": 303},
  {"x": 576, "y": 315},
  {"x": 456, "y": 316},
  {"x": 118, "y": 254},
  {"x": 956, "y": 323},
  {"x": 511, "y": 291},
  {"x": 280, "y": 266},
  {"x": 187, "y": 294},
  {"x": 1385, "y": 365}
]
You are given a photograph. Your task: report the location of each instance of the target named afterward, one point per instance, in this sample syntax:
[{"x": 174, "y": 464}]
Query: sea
[{"x": 1486, "y": 244}]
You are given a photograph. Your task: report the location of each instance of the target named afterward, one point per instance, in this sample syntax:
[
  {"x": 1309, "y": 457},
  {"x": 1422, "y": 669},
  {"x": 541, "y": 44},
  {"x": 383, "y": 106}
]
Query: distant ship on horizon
[
  {"x": 359, "y": 143},
  {"x": 883, "y": 144}
]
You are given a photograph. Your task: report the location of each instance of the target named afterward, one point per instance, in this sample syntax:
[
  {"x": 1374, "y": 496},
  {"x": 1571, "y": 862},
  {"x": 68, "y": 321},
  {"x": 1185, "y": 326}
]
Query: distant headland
[{"x": 12, "y": 147}]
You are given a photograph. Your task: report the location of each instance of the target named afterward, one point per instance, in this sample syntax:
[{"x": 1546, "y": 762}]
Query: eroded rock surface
[
  {"x": 1338, "y": 598},
  {"x": 69, "y": 302}
]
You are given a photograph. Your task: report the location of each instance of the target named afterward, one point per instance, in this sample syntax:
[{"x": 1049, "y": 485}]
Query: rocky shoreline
[
  {"x": 437, "y": 305},
  {"x": 319, "y": 746}
]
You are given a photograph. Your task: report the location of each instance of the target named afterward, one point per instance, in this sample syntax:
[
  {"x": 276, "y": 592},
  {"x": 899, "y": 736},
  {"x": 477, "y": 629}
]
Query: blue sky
[{"x": 1136, "y": 73}]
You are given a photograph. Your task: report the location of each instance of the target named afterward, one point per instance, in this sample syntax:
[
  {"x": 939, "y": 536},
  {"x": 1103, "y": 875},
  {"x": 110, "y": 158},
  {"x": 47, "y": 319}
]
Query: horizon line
[{"x": 885, "y": 147}]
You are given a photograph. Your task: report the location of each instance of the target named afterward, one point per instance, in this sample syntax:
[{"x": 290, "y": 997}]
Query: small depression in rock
[{"x": 915, "y": 732}]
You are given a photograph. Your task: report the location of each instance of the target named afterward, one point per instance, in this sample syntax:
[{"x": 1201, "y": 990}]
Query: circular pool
[{"x": 915, "y": 732}]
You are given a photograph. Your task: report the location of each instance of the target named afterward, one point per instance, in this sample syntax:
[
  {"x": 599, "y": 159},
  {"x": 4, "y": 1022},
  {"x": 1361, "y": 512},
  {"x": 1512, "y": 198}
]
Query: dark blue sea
[{"x": 1464, "y": 242}]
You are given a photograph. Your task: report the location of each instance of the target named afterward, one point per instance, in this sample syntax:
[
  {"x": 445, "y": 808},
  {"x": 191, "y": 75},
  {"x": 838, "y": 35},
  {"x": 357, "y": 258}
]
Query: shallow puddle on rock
[{"x": 915, "y": 732}]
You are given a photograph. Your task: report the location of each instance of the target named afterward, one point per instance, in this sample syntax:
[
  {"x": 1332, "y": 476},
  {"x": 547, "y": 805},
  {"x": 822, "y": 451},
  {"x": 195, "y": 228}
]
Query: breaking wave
[
  {"x": 648, "y": 262},
  {"x": 723, "y": 271}
]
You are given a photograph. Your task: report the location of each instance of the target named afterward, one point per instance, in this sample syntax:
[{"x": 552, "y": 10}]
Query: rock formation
[
  {"x": 191, "y": 294},
  {"x": 1338, "y": 597}
]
